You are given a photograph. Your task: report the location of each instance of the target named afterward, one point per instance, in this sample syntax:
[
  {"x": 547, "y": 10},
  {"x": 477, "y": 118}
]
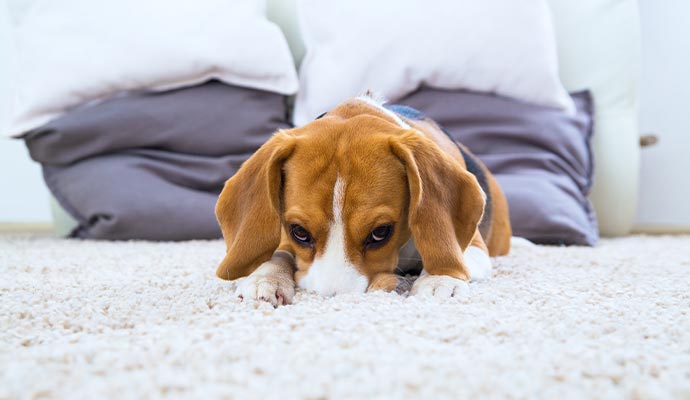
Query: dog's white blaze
[
  {"x": 478, "y": 263},
  {"x": 388, "y": 112},
  {"x": 333, "y": 273}
]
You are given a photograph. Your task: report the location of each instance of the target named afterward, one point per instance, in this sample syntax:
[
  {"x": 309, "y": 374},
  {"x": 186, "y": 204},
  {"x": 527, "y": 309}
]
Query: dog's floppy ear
[
  {"x": 248, "y": 209},
  {"x": 446, "y": 204}
]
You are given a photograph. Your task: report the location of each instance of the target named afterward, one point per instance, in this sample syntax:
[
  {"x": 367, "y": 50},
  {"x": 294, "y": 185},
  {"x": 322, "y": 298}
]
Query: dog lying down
[{"x": 356, "y": 199}]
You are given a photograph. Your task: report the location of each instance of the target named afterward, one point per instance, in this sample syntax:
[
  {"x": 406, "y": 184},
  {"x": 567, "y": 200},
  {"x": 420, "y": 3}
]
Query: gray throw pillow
[
  {"x": 151, "y": 165},
  {"x": 540, "y": 156}
]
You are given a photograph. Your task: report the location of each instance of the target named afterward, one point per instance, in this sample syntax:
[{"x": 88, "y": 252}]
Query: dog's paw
[
  {"x": 439, "y": 286},
  {"x": 265, "y": 284},
  {"x": 478, "y": 263}
]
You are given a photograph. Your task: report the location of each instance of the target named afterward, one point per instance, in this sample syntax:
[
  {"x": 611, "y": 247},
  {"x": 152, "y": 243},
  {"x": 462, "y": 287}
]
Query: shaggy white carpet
[{"x": 87, "y": 320}]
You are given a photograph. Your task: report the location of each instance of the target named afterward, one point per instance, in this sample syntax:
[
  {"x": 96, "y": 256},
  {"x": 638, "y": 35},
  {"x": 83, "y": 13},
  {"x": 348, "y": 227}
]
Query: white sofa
[{"x": 599, "y": 49}]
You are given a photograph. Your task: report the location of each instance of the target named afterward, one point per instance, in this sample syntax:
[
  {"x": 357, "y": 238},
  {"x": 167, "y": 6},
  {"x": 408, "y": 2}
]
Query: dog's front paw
[
  {"x": 267, "y": 284},
  {"x": 439, "y": 286}
]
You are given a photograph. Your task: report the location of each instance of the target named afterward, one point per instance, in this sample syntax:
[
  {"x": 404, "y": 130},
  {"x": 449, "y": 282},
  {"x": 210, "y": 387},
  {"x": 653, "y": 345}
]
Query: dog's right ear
[{"x": 248, "y": 209}]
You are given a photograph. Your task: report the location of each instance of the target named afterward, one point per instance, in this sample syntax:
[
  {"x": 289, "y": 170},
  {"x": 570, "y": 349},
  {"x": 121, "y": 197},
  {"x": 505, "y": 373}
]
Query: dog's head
[{"x": 343, "y": 194}]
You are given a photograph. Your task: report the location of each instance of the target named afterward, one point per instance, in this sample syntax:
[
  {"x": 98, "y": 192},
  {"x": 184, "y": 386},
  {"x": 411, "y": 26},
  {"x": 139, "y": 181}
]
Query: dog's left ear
[
  {"x": 446, "y": 204},
  {"x": 248, "y": 208}
]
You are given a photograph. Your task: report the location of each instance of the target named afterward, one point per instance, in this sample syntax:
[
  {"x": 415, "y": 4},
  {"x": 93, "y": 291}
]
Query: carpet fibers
[{"x": 87, "y": 320}]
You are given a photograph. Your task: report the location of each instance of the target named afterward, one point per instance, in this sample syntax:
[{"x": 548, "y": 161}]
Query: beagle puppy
[{"x": 353, "y": 199}]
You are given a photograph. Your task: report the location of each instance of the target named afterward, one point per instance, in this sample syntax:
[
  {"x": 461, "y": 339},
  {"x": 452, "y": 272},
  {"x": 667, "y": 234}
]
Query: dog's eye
[
  {"x": 301, "y": 235},
  {"x": 379, "y": 236}
]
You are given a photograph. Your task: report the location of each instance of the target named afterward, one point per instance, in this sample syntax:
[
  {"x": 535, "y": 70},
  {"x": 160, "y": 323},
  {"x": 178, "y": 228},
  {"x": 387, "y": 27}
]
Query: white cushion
[
  {"x": 501, "y": 46},
  {"x": 71, "y": 52},
  {"x": 599, "y": 50}
]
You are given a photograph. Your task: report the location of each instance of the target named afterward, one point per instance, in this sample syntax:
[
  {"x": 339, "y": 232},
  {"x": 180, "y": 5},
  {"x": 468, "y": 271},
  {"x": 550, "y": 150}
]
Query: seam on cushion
[
  {"x": 589, "y": 107},
  {"x": 592, "y": 217}
]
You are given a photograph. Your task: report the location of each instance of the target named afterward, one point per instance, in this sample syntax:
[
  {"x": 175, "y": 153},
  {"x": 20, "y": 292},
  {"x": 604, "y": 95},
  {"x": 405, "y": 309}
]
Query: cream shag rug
[{"x": 88, "y": 320}]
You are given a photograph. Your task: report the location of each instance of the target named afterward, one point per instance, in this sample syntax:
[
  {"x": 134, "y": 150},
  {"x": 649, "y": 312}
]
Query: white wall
[
  {"x": 23, "y": 196},
  {"x": 665, "y": 109}
]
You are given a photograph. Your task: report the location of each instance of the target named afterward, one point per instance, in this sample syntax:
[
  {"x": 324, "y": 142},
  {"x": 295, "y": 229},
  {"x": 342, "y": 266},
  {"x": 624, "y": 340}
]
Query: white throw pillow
[
  {"x": 71, "y": 52},
  {"x": 393, "y": 46}
]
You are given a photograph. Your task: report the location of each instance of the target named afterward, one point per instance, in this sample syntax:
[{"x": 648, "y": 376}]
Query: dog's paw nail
[{"x": 440, "y": 287}]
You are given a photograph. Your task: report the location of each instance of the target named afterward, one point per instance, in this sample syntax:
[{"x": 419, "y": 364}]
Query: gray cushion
[
  {"x": 540, "y": 156},
  {"x": 151, "y": 166}
]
